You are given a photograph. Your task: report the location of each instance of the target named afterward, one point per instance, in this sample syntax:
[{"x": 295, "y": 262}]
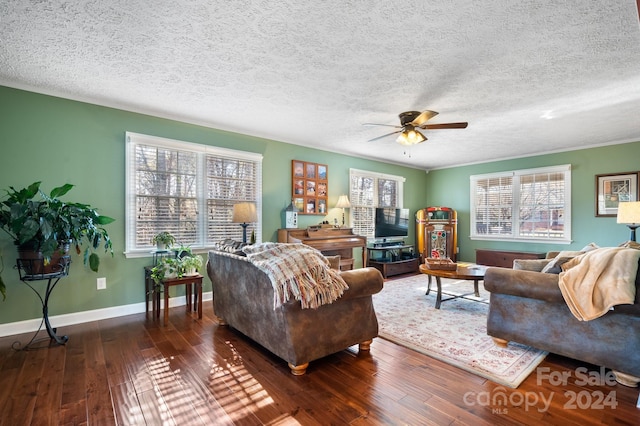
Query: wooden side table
[{"x": 154, "y": 292}]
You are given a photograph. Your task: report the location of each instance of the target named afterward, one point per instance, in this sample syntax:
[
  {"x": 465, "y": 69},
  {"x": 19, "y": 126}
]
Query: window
[
  {"x": 532, "y": 205},
  {"x": 171, "y": 183},
  {"x": 369, "y": 190}
]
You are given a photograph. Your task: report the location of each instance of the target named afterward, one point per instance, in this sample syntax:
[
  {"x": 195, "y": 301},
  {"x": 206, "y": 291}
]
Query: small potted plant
[
  {"x": 163, "y": 240},
  {"x": 191, "y": 264},
  {"x": 168, "y": 267}
]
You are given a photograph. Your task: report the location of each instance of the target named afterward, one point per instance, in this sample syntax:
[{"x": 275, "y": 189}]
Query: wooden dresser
[
  {"x": 504, "y": 258},
  {"x": 330, "y": 241}
]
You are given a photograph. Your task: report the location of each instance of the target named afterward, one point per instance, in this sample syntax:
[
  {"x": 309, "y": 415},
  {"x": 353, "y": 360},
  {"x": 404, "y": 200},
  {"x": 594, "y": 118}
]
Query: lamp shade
[
  {"x": 343, "y": 202},
  {"x": 629, "y": 212},
  {"x": 410, "y": 136},
  {"x": 244, "y": 213}
]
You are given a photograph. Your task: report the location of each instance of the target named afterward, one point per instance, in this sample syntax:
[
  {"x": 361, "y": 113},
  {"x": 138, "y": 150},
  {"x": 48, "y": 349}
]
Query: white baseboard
[{"x": 29, "y": 326}]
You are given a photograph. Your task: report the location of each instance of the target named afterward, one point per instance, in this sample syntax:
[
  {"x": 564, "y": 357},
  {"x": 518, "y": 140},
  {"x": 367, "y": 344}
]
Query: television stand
[{"x": 393, "y": 259}]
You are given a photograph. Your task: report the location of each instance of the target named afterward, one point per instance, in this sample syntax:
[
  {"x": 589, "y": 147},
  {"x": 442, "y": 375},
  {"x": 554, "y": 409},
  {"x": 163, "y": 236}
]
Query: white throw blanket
[
  {"x": 594, "y": 282},
  {"x": 297, "y": 271}
]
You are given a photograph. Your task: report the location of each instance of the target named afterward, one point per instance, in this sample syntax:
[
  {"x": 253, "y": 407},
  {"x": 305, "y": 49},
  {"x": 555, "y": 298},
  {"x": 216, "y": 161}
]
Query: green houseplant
[
  {"x": 163, "y": 240},
  {"x": 46, "y": 224},
  {"x": 191, "y": 264},
  {"x": 184, "y": 264},
  {"x": 168, "y": 267}
]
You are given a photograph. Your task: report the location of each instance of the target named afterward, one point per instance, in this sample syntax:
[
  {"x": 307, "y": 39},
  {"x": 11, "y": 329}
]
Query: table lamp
[
  {"x": 244, "y": 213},
  {"x": 629, "y": 214},
  {"x": 343, "y": 203}
]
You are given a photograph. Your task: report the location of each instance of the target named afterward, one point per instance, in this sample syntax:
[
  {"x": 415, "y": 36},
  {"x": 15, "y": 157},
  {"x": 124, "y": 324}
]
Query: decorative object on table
[
  {"x": 163, "y": 240},
  {"x": 440, "y": 263},
  {"x": 44, "y": 227},
  {"x": 343, "y": 203},
  {"x": 309, "y": 187},
  {"x": 629, "y": 214},
  {"x": 291, "y": 216},
  {"x": 612, "y": 189},
  {"x": 244, "y": 214}
]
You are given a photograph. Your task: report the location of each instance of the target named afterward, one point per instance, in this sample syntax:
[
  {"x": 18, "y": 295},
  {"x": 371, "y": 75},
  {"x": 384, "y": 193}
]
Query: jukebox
[{"x": 437, "y": 232}]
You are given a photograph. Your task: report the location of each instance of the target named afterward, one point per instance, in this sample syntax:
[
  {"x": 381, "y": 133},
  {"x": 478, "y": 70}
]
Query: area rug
[{"x": 456, "y": 333}]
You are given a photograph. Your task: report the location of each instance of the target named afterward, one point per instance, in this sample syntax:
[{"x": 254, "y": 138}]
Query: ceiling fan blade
[
  {"x": 423, "y": 117},
  {"x": 384, "y": 136},
  {"x": 386, "y": 125},
  {"x": 461, "y": 125}
]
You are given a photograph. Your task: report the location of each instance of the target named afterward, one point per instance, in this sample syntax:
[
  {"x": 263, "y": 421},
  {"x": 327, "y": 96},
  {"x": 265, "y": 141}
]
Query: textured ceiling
[{"x": 529, "y": 76}]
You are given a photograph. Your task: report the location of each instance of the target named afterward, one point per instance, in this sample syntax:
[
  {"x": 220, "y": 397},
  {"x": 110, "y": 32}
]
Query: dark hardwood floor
[{"x": 134, "y": 371}]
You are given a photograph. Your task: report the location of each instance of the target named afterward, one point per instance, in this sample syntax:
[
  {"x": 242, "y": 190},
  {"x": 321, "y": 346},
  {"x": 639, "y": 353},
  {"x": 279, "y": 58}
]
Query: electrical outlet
[{"x": 102, "y": 283}]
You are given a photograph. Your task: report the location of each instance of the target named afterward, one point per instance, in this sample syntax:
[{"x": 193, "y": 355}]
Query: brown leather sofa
[
  {"x": 243, "y": 299},
  {"x": 528, "y": 307}
]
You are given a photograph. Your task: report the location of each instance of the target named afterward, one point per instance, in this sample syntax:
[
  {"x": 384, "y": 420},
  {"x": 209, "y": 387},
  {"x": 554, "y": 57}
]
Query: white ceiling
[{"x": 529, "y": 76}]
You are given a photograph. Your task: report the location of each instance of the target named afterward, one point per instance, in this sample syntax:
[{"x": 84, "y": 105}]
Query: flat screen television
[{"x": 391, "y": 223}]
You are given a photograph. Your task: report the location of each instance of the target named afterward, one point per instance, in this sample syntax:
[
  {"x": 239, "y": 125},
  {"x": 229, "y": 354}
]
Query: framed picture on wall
[
  {"x": 612, "y": 189},
  {"x": 310, "y": 186}
]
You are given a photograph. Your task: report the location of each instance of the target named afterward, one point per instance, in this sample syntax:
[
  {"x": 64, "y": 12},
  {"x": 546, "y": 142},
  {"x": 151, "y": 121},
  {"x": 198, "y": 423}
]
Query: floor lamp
[
  {"x": 343, "y": 203},
  {"x": 629, "y": 214},
  {"x": 244, "y": 213}
]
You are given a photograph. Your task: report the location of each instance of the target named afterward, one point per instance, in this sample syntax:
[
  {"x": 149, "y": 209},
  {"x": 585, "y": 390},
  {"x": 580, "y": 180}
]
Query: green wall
[
  {"x": 450, "y": 188},
  {"x": 59, "y": 141}
]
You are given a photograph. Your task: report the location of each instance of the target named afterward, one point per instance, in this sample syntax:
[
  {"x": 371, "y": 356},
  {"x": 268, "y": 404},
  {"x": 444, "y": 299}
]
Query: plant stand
[{"x": 58, "y": 271}]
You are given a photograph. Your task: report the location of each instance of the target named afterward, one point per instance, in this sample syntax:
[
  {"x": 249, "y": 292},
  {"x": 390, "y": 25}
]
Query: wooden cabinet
[
  {"x": 392, "y": 260},
  {"x": 504, "y": 258}
]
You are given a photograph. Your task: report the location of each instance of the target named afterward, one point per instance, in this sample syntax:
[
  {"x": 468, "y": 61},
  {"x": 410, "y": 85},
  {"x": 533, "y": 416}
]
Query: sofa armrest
[
  {"x": 362, "y": 282},
  {"x": 533, "y": 285}
]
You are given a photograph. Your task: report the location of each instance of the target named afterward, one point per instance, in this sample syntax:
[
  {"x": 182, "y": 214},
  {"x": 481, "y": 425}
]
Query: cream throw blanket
[
  {"x": 297, "y": 271},
  {"x": 594, "y": 282}
]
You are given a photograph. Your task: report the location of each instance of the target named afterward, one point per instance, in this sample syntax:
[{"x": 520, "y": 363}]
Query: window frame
[
  {"x": 400, "y": 180},
  {"x": 202, "y": 151},
  {"x": 515, "y": 175}
]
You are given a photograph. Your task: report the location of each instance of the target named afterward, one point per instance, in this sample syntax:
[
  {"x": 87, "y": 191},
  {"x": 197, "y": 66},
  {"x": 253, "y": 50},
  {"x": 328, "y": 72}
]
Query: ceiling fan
[{"x": 411, "y": 120}]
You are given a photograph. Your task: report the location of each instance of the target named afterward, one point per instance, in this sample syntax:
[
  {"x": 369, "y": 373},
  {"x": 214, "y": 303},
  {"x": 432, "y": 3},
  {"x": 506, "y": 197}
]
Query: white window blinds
[
  {"x": 188, "y": 190},
  {"x": 532, "y": 204},
  {"x": 369, "y": 190}
]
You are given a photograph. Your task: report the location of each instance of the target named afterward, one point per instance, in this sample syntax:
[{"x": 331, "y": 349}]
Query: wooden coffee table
[{"x": 470, "y": 272}]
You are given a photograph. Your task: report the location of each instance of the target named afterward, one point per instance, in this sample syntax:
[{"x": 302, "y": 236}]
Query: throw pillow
[
  {"x": 589, "y": 247},
  {"x": 630, "y": 244},
  {"x": 555, "y": 266},
  {"x": 230, "y": 246},
  {"x": 334, "y": 261},
  {"x": 535, "y": 265}
]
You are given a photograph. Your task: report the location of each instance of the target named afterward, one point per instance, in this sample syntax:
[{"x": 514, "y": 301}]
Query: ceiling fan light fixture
[{"x": 410, "y": 136}]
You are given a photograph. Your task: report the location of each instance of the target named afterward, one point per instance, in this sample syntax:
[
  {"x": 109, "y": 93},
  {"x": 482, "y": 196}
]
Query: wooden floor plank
[{"x": 138, "y": 370}]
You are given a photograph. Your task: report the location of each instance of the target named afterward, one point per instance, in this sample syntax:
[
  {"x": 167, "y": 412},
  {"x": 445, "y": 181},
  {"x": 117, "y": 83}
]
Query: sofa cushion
[
  {"x": 555, "y": 266},
  {"x": 535, "y": 265},
  {"x": 334, "y": 261},
  {"x": 230, "y": 246}
]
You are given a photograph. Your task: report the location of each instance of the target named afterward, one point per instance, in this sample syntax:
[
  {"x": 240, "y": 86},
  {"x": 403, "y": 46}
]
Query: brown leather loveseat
[
  {"x": 243, "y": 298},
  {"x": 528, "y": 307}
]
